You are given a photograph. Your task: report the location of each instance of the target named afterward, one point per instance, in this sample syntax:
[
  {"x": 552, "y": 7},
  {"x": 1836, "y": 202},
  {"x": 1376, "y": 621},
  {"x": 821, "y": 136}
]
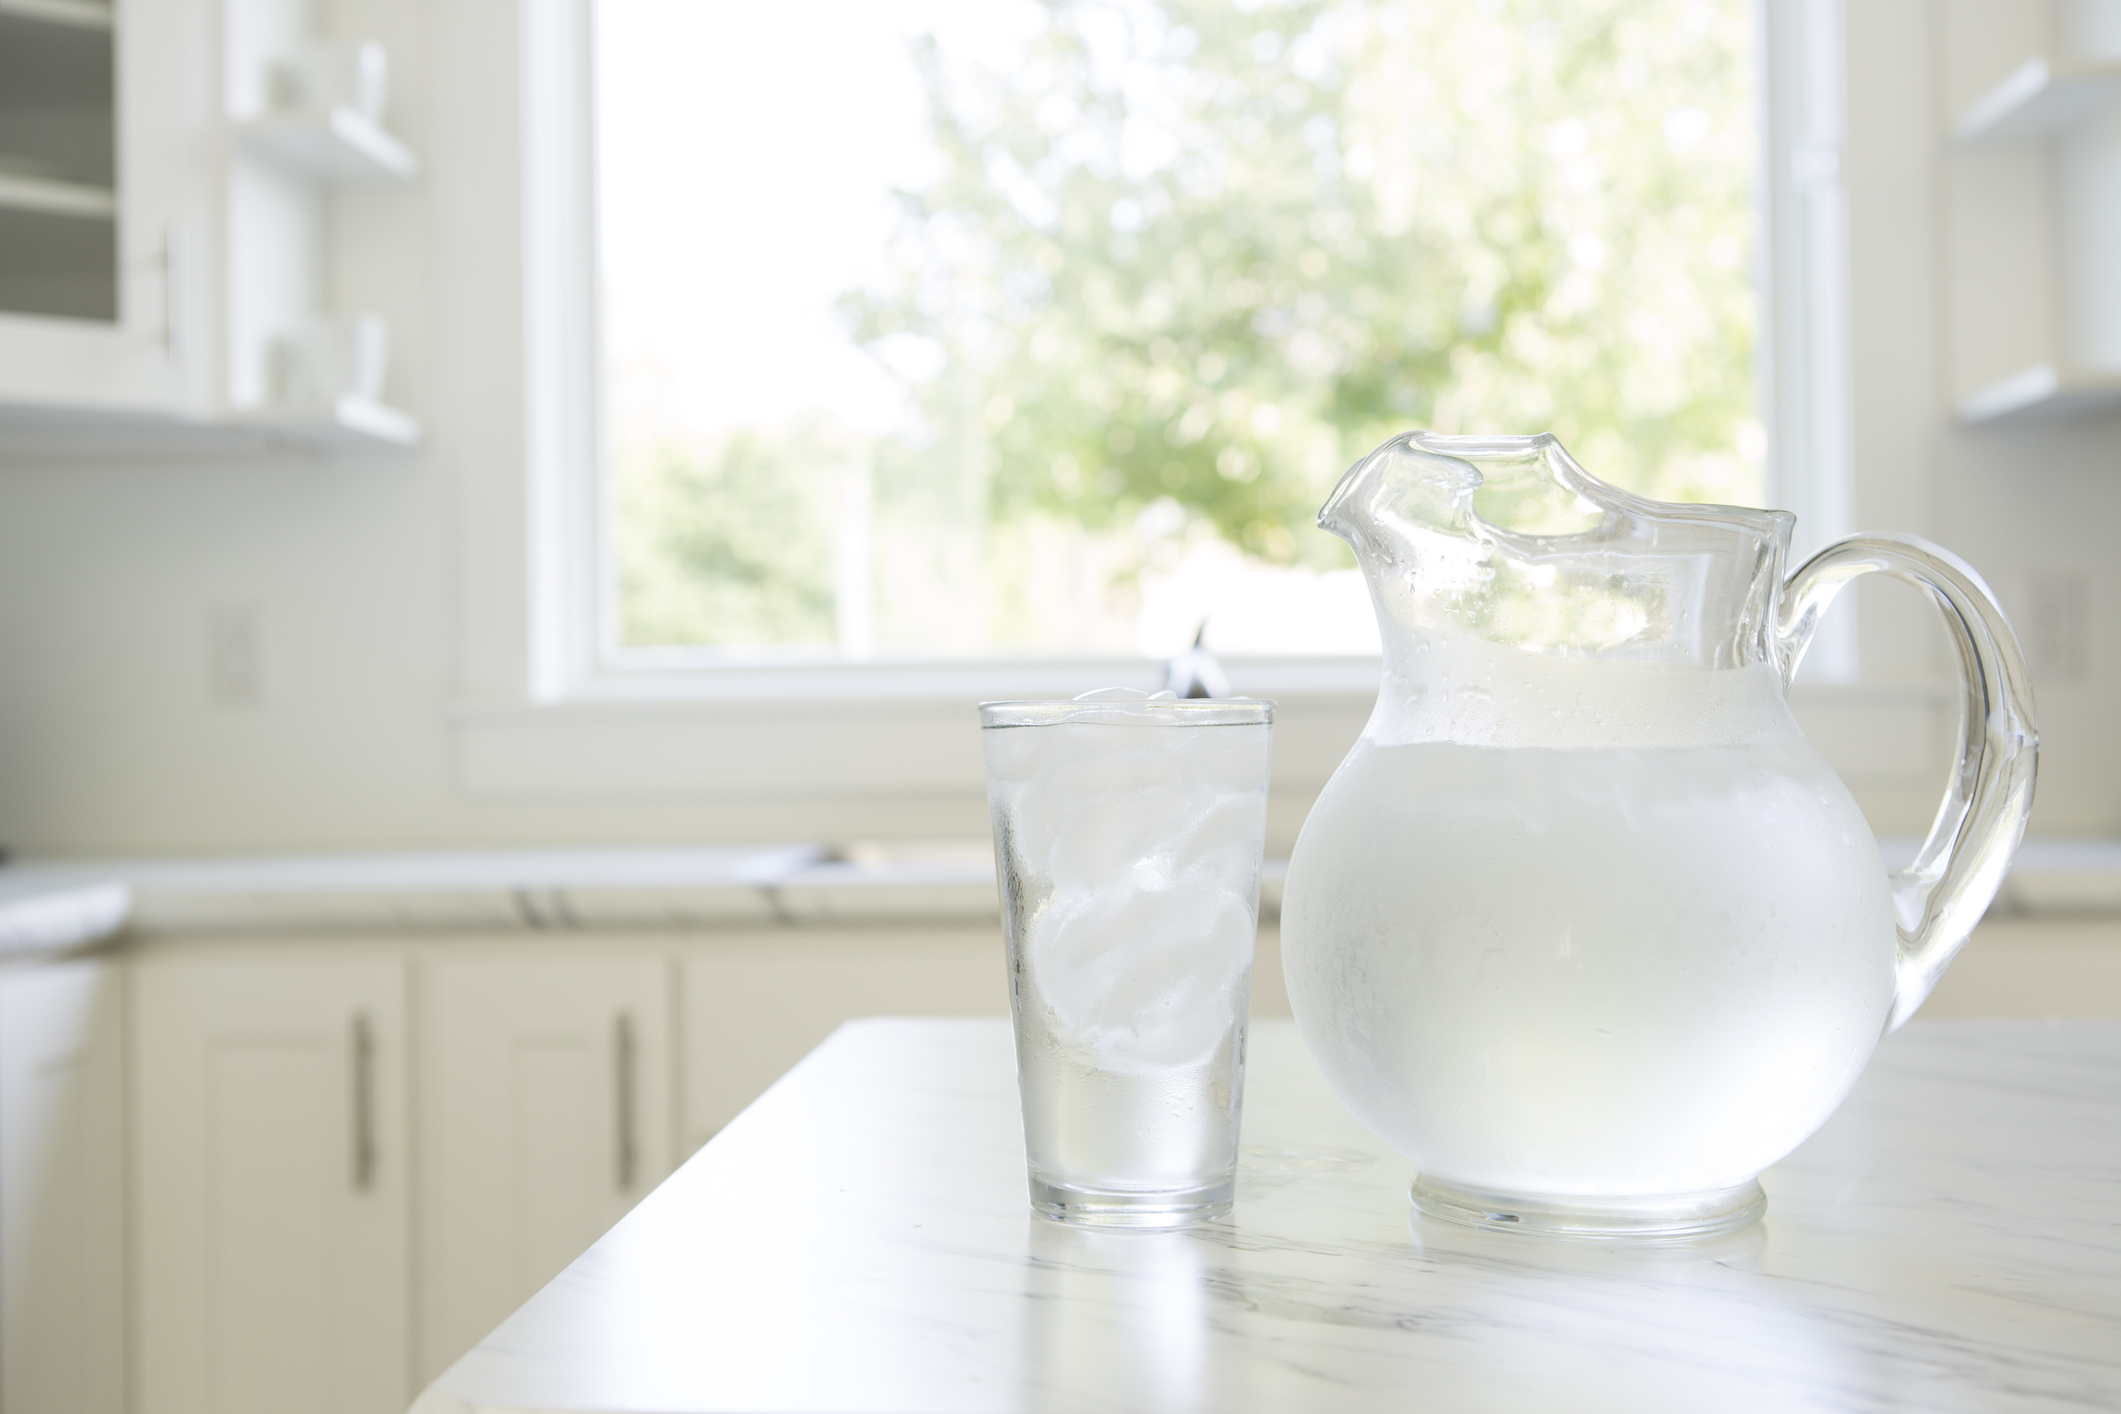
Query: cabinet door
[
  {"x": 546, "y": 1114},
  {"x": 94, "y": 241},
  {"x": 755, "y": 1004},
  {"x": 274, "y": 1235},
  {"x": 62, "y": 1196}
]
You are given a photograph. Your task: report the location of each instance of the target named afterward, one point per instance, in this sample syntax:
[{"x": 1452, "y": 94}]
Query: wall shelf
[
  {"x": 342, "y": 145},
  {"x": 349, "y": 425},
  {"x": 2032, "y": 201},
  {"x": 2040, "y": 393},
  {"x": 38, "y": 435},
  {"x": 304, "y": 139},
  {"x": 82, "y": 14},
  {"x": 2039, "y": 99},
  {"x": 20, "y": 193}
]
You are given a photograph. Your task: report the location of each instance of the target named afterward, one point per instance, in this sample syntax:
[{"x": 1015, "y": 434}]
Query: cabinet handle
[
  {"x": 624, "y": 1155},
  {"x": 364, "y": 1104},
  {"x": 172, "y": 295}
]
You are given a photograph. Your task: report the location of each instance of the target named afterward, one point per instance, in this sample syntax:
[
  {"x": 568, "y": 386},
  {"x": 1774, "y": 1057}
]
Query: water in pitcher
[
  {"x": 1522, "y": 939},
  {"x": 1130, "y": 859}
]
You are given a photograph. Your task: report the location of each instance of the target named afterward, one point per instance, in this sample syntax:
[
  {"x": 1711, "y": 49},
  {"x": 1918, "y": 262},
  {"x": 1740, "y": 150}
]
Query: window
[{"x": 946, "y": 329}]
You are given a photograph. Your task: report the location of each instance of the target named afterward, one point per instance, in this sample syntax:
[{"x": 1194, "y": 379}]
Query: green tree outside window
[{"x": 1185, "y": 261}]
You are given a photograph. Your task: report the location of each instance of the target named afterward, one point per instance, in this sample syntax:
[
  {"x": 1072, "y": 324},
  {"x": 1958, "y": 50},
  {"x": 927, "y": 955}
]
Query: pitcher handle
[{"x": 1942, "y": 895}]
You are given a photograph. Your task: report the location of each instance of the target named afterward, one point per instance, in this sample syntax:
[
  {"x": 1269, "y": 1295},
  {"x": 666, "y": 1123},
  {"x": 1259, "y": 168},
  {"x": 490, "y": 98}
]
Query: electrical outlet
[
  {"x": 2056, "y": 632},
  {"x": 235, "y": 653}
]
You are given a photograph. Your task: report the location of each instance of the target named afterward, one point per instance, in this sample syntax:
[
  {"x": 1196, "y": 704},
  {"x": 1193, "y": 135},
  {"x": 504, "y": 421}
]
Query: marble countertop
[
  {"x": 40, "y": 917},
  {"x": 859, "y": 1240},
  {"x": 537, "y": 890},
  {"x": 712, "y": 886}
]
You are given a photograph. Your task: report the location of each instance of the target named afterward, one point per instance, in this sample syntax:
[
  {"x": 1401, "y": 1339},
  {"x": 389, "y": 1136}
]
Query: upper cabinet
[
  {"x": 2035, "y": 207},
  {"x": 206, "y": 229},
  {"x": 90, "y": 212}
]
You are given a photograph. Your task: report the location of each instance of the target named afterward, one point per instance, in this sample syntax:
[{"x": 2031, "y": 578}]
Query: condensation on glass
[{"x": 1127, "y": 839}]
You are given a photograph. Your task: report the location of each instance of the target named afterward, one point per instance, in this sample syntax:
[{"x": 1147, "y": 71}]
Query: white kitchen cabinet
[
  {"x": 98, "y": 163},
  {"x": 274, "y": 1236},
  {"x": 62, "y": 1202},
  {"x": 547, "y": 1112},
  {"x": 182, "y": 257},
  {"x": 756, "y": 1003},
  {"x": 354, "y": 1158}
]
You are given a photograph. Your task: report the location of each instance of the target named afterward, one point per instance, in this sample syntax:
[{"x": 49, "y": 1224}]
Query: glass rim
[{"x": 1171, "y": 712}]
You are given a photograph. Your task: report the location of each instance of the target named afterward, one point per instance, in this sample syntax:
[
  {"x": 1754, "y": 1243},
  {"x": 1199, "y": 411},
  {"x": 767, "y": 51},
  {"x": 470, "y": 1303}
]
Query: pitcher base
[{"x": 1666, "y": 1218}]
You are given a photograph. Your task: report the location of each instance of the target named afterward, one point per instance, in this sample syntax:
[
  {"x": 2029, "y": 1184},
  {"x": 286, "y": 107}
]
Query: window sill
[
  {"x": 650, "y": 676},
  {"x": 836, "y": 733},
  {"x": 839, "y": 733}
]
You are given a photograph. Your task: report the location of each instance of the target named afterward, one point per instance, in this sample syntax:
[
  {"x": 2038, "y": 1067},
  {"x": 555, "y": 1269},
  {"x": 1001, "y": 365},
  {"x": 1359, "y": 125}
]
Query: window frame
[{"x": 544, "y": 711}]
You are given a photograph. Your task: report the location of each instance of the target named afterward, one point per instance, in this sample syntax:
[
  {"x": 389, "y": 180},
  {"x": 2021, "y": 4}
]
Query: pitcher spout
[
  {"x": 1508, "y": 541},
  {"x": 1404, "y": 484}
]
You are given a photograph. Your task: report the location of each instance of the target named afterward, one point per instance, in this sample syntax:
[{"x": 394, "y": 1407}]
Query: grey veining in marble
[{"x": 859, "y": 1241}]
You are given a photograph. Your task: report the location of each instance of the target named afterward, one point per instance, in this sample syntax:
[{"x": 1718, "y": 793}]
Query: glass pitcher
[{"x": 1584, "y": 925}]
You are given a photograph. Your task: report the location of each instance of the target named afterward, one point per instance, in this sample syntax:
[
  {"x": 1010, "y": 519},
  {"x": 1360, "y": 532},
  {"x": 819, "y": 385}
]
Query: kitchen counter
[
  {"x": 41, "y": 917},
  {"x": 859, "y": 1240},
  {"x": 754, "y": 886},
  {"x": 535, "y": 890}
]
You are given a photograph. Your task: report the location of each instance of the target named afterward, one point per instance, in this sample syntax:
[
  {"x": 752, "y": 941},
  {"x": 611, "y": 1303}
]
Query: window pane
[{"x": 949, "y": 327}]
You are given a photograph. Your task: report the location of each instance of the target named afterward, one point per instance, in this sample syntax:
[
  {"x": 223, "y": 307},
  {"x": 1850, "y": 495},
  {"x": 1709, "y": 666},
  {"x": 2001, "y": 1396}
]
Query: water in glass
[{"x": 1127, "y": 835}]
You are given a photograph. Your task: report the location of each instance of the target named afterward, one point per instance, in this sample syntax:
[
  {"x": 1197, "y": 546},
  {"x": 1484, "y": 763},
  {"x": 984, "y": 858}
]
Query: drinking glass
[{"x": 1127, "y": 839}]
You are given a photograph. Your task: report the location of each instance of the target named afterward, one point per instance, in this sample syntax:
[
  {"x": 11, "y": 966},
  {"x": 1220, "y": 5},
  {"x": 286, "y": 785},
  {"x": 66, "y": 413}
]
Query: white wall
[
  {"x": 1928, "y": 223},
  {"x": 361, "y": 580},
  {"x": 2034, "y": 509}
]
